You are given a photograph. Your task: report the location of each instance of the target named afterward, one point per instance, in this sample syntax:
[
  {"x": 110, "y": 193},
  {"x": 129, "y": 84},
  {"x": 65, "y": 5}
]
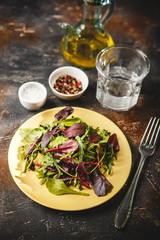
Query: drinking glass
[{"x": 121, "y": 70}]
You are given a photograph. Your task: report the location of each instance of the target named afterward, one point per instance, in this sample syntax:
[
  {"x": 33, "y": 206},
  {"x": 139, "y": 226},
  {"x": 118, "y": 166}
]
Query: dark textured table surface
[{"x": 30, "y": 49}]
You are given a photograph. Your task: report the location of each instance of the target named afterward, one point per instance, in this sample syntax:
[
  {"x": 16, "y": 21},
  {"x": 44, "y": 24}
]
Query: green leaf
[
  {"x": 40, "y": 175},
  {"x": 58, "y": 187},
  {"x": 24, "y": 161},
  {"x": 56, "y": 141},
  {"x": 69, "y": 122},
  {"x": 29, "y": 134},
  {"x": 104, "y": 133},
  {"x": 81, "y": 148},
  {"x": 24, "y": 132},
  {"x": 48, "y": 160},
  {"x": 88, "y": 128}
]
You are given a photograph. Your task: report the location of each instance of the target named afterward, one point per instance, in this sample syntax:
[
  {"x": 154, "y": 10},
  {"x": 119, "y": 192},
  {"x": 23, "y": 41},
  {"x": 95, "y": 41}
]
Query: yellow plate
[{"x": 29, "y": 183}]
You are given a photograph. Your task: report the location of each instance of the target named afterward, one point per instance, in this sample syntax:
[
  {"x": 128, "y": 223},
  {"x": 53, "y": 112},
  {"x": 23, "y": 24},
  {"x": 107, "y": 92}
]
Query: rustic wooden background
[{"x": 30, "y": 49}]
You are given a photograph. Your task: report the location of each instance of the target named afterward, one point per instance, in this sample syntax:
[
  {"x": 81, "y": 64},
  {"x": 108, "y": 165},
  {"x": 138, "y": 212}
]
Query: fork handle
[{"x": 124, "y": 210}]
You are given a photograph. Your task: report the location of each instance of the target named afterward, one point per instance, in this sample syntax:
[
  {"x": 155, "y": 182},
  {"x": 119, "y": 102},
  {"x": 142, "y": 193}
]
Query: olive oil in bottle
[
  {"x": 83, "y": 51},
  {"x": 82, "y": 43}
]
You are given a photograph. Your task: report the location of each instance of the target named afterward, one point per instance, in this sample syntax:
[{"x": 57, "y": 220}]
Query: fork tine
[
  {"x": 151, "y": 132},
  {"x": 151, "y": 129},
  {"x": 155, "y": 133},
  {"x": 146, "y": 131}
]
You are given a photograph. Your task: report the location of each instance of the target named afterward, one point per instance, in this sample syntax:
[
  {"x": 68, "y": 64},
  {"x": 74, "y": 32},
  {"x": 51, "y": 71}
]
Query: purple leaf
[
  {"x": 51, "y": 169},
  {"x": 67, "y": 159},
  {"x": 32, "y": 147},
  {"x": 66, "y": 147},
  {"x": 81, "y": 171},
  {"x": 47, "y": 137},
  {"x": 75, "y": 130},
  {"x": 65, "y": 166},
  {"x": 94, "y": 138},
  {"x": 64, "y": 113},
  {"x": 101, "y": 185},
  {"x": 113, "y": 141}
]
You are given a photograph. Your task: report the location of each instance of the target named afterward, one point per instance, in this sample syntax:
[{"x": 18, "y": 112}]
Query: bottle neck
[{"x": 91, "y": 12}]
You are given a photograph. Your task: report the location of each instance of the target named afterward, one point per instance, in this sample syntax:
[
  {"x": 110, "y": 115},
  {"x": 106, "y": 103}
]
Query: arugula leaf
[
  {"x": 104, "y": 132},
  {"x": 81, "y": 148},
  {"x": 104, "y": 140},
  {"x": 58, "y": 187},
  {"x": 48, "y": 160}
]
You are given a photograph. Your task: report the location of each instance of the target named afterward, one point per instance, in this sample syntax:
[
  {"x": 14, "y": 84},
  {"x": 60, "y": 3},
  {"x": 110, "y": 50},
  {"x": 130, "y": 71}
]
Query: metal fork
[{"x": 146, "y": 148}]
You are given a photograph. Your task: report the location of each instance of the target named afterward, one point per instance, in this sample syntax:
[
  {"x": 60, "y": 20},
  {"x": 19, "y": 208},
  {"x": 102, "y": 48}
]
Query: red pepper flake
[{"x": 68, "y": 85}]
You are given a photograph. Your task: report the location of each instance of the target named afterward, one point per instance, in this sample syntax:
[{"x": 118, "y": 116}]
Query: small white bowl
[
  {"x": 72, "y": 71},
  {"x": 32, "y": 95}
]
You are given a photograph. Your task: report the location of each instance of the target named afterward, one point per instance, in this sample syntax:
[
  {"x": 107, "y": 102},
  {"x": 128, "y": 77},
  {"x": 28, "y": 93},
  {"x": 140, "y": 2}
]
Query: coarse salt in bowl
[
  {"x": 32, "y": 95},
  {"x": 73, "y": 72}
]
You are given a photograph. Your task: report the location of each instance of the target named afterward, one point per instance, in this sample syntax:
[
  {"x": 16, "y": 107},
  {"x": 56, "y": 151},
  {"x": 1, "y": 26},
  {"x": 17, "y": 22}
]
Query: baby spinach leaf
[
  {"x": 58, "y": 187},
  {"x": 29, "y": 134},
  {"x": 69, "y": 122}
]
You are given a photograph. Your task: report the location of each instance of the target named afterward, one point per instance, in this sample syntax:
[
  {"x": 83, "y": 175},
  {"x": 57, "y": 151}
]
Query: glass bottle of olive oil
[{"x": 82, "y": 43}]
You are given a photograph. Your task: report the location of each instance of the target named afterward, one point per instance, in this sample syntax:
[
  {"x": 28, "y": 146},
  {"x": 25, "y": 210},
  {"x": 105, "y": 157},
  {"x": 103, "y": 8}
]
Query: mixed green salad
[{"x": 69, "y": 153}]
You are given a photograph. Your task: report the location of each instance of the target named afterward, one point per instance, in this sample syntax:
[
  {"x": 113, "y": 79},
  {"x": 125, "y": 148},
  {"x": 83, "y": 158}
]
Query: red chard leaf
[
  {"x": 67, "y": 159},
  {"x": 113, "y": 141},
  {"x": 66, "y": 147},
  {"x": 51, "y": 169},
  {"x": 75, "y": 130},
  {"x": 47, "y": 137},
  {"x": 32, "y": 147},
  {"x": 81, "y": 171},
  {"x": 65, "y": 166},
  {"x": 101, "y": 185},
  {"x": 64, "y": 113},
  {"x": 94, "y": 138}
]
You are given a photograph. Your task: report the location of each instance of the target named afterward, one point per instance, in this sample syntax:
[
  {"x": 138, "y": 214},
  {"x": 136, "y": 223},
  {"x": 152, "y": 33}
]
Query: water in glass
[{"x": 119, "y": 90}]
